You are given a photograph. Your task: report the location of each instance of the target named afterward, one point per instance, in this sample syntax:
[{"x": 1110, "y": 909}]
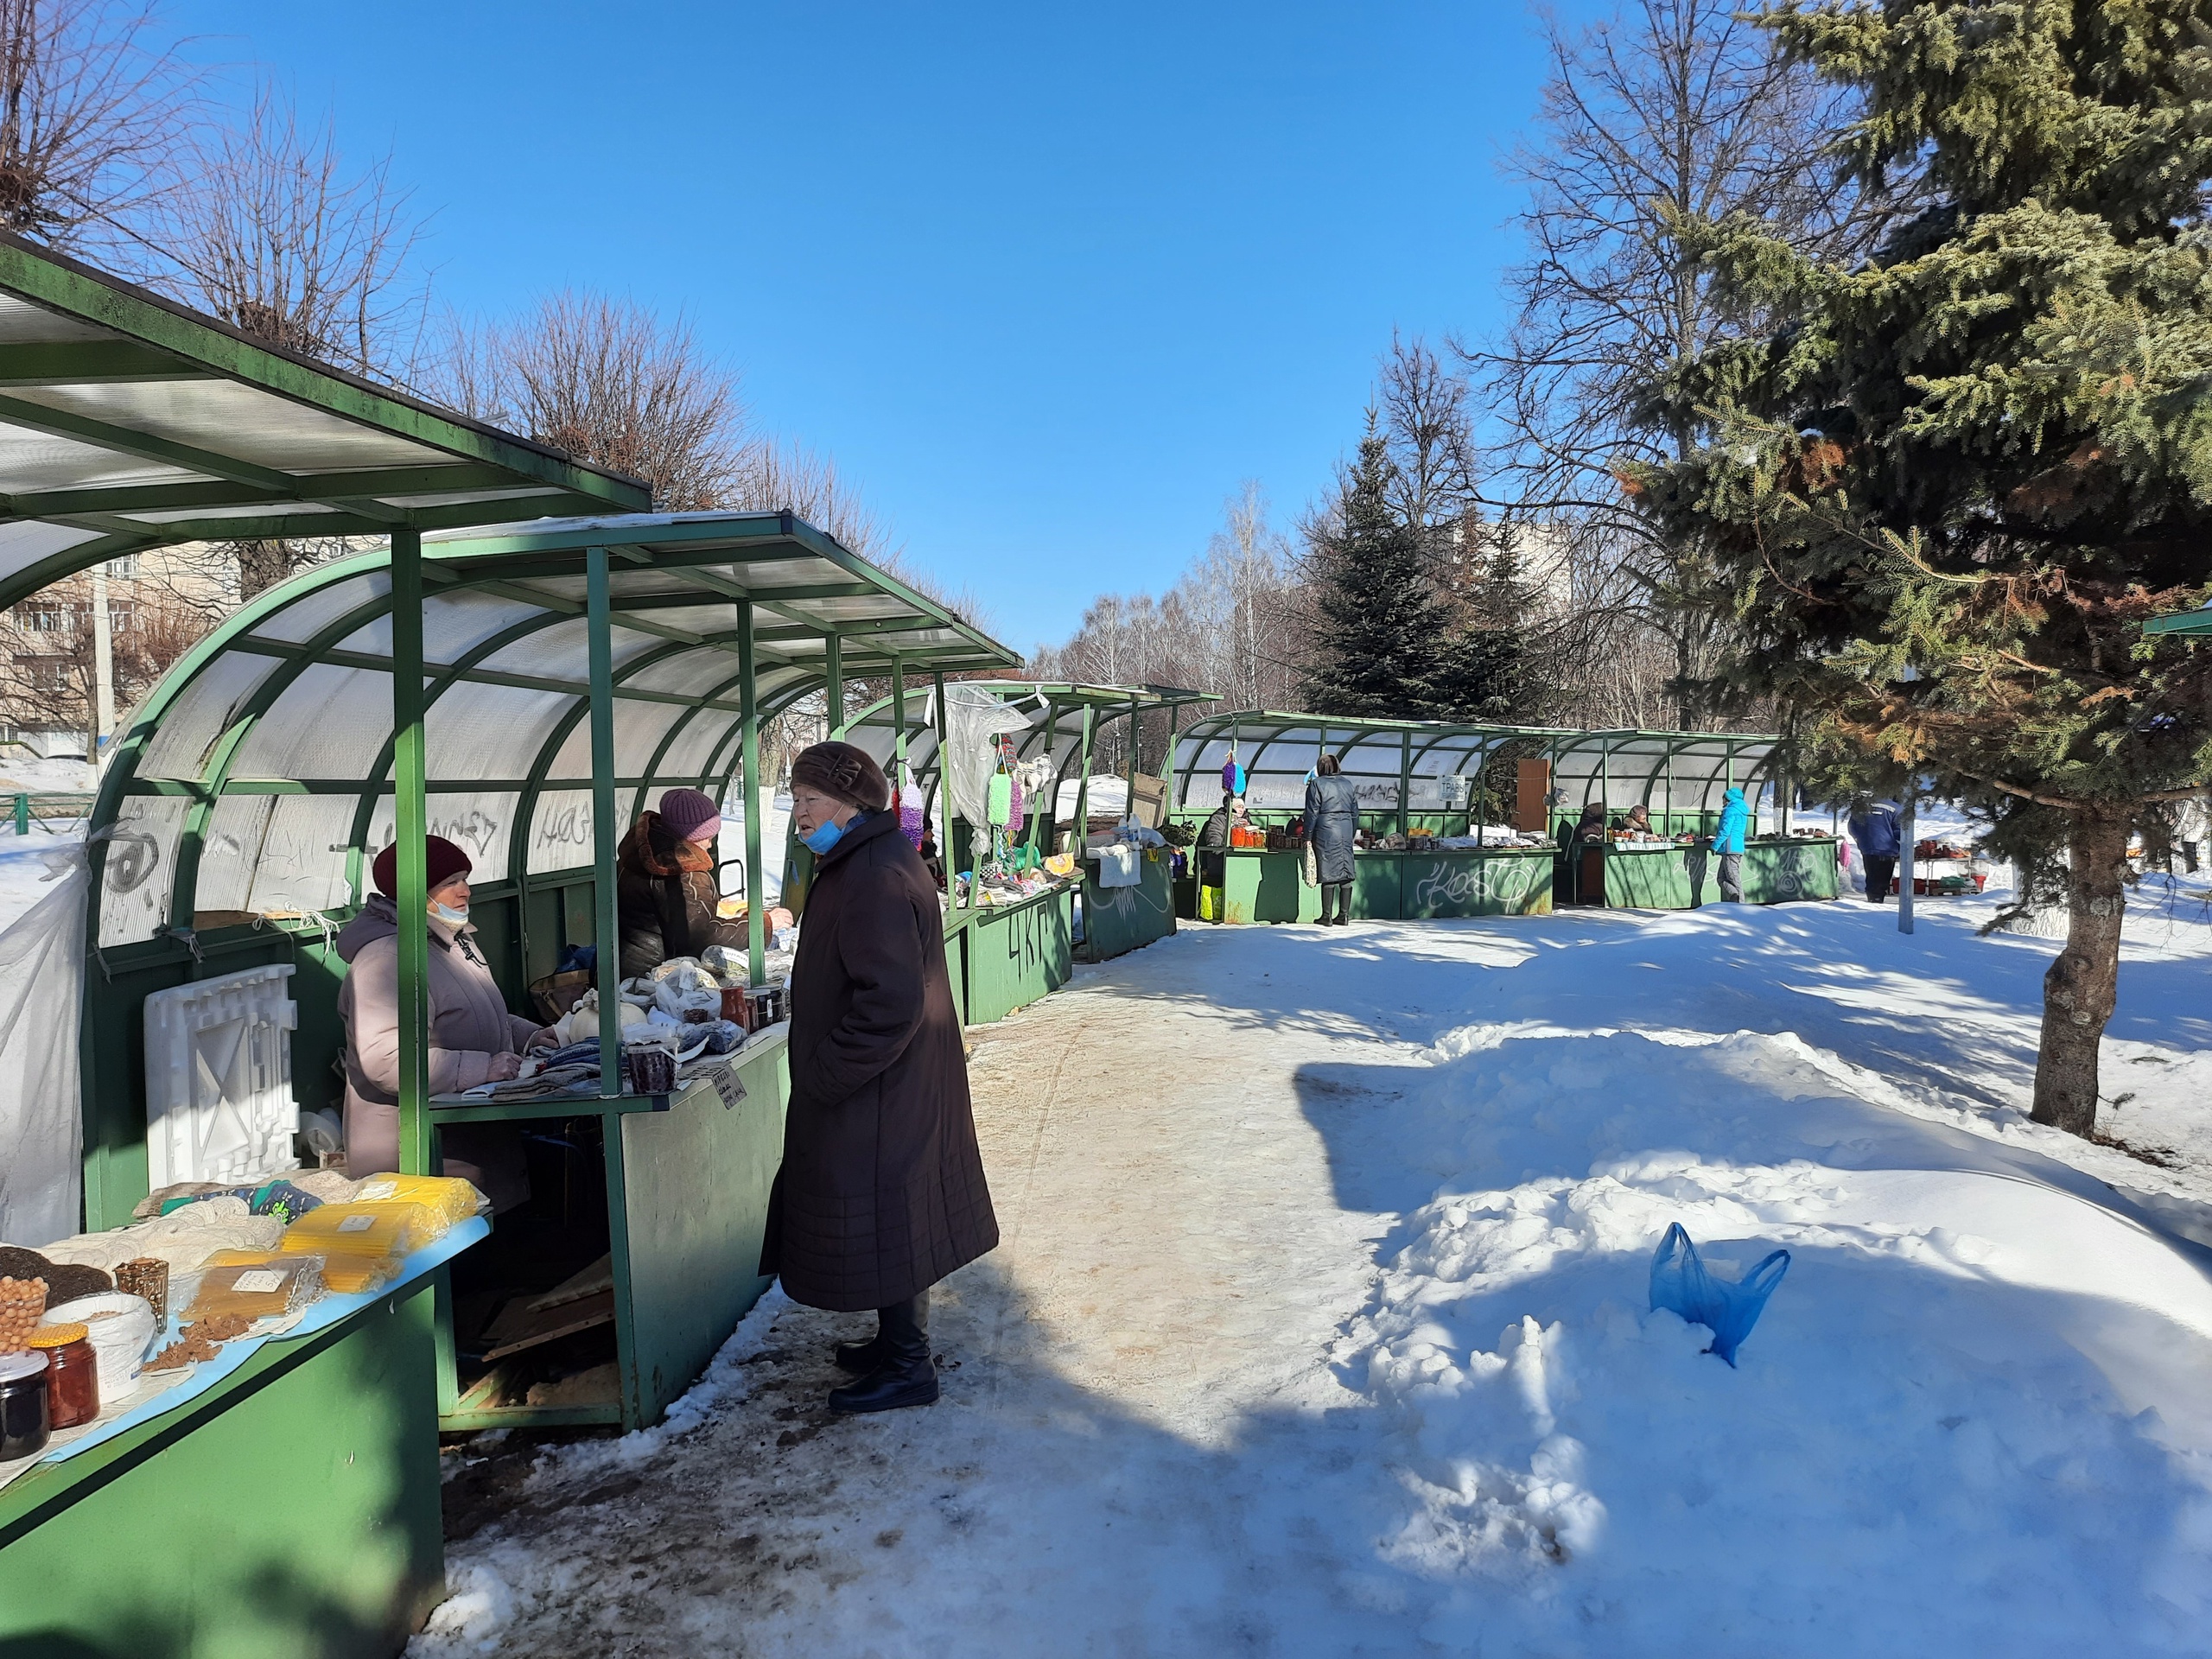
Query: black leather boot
[
  {"x": 906, "y": 1375},
  {"x": 859, "y": 1357}
]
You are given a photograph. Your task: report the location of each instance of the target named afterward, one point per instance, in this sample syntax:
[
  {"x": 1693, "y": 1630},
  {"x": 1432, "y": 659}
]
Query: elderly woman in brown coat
[
  {"x": 473, "y": 1037},
  {"x": 881, "y": 1193}
]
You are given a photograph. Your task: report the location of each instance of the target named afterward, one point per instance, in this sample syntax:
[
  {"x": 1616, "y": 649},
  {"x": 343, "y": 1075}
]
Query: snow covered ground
[{"x": 1320, "y": 1326}]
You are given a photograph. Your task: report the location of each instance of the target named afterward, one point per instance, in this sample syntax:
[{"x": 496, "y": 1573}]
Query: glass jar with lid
[
  {"x": 73, "y": 1377},
  {"x": 23, "y": 1427}
]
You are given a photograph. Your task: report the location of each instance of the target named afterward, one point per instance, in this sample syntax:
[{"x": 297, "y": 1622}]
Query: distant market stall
[
  {"x": 1474, "y": 820},
  {"x": 1070, "y": 886},
  {"x": 1680, "y": 779}
]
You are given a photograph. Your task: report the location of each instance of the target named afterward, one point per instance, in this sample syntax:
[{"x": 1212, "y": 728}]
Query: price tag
[
  {"x": 357, "y": 1223},
  {"x": 728, "y": 1085},
  {"x": 376, "y": 1190},
  {"x": 259, "y": 1282}
]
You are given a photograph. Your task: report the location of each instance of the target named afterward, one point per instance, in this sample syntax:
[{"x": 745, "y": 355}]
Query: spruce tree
[
  {"x": 1381, "y": 631},
  {"x": 1941, "y": 489}
]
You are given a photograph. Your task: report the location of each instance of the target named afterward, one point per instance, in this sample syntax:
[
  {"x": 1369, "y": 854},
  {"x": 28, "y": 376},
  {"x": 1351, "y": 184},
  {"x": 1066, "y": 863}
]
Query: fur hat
[{"x": 840, "y": 770}]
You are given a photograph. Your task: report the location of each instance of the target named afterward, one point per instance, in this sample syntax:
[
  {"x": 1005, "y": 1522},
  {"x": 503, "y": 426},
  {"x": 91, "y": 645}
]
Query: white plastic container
[
  {"x": 218, "y": 1079},
  {"x": 122, "y": 1330}
]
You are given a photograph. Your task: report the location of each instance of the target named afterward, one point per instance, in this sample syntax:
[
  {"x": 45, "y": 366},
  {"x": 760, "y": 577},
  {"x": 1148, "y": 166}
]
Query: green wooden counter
[
  {"x": 1264, "y": 887},
  {"x": 688, "y": 1177},
  {"x": 1666, "y": 876},
  {"x": 1011, "y": 955},
  {"x": 290, "y": 1510},
  {"x": 1117, "y": 920}
]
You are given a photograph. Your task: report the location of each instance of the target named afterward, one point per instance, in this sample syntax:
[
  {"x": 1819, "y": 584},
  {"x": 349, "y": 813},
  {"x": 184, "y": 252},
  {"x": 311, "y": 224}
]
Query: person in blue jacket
[
  {"x": 1728, "y": 844},
  {"x": 1875, "y": 828}
]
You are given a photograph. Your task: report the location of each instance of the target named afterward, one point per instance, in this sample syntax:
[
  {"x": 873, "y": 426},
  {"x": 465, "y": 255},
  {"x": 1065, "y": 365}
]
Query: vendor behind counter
[{"x": 473, "y": 1037}]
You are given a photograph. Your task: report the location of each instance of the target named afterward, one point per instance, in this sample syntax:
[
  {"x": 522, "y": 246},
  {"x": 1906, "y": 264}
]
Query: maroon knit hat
[
  {"x": 849, "y": 773},
  {"x": 690, "y": 815},
  {"x": 442, "y": 860}
]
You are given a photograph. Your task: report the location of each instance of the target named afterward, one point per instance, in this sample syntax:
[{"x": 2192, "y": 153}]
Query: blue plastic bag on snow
[{"x": 1680, "y": 1285}]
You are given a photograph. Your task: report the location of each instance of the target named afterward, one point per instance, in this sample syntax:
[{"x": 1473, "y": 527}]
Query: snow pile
[{"x": 1971, "y": 1419}]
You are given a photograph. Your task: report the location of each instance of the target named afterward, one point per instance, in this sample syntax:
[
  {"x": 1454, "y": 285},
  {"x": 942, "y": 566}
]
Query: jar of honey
[
  {"x": 23, "y": 1427},
  {"x": 72, "y": 1375}
]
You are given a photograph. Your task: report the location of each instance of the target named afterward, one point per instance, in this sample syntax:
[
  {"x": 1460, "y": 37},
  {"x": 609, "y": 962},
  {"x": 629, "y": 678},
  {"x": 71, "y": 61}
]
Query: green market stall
[
  {"x": 1679, "y": 778},
  {"x": 1008, "y": 954},
  {"x": 283, "y": 1499},
  {"x": 1430, "y": 795},
  {"x": 570, "y": 670}
]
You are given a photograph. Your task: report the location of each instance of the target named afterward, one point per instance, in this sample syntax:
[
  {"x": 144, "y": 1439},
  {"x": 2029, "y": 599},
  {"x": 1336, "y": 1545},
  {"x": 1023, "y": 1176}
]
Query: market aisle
[
  {"x": 1190, "y": 1417},
  {"x": 1135, "y": 1442}
]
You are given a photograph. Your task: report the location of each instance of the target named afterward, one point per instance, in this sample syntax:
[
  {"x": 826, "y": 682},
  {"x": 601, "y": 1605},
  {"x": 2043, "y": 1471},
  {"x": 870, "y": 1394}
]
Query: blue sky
[{"x": 1048, "y": 282}]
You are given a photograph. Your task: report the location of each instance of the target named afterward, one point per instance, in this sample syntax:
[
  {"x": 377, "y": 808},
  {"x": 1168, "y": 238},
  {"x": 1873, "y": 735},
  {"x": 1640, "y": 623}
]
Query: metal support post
[
  {"x": 608, "y": 928},
  {"x": 756, "y": 886},
  {"x": 1905, "y": 838},
  {"x": 833, "y": 689},
  {"x": 1079, "y": 839},
  {"x": 1405, "y": 783},
  {"x": 410, "y": 830}
]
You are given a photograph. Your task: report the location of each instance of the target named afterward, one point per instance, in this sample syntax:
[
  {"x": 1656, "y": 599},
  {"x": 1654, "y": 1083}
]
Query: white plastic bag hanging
[{"x": 42, "y": 1126}]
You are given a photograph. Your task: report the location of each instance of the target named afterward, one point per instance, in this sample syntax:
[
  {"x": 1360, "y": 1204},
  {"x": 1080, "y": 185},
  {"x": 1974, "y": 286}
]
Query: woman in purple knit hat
[{"x": 664, "y": 884}]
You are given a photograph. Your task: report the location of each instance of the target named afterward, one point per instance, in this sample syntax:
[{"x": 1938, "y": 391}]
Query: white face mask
[{"x": 447, "y": 914}]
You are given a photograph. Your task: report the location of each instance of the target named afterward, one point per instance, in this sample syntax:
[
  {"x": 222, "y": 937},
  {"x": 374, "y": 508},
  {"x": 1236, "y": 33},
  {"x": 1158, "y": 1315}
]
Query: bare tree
[
  {"x": 95, "y": 104},
  {"x": 272, "y": 233},
  {"x": 610, "y": 381},
  {"x": 50, "y": 674},
  {"x": 1656, "y": 124}
]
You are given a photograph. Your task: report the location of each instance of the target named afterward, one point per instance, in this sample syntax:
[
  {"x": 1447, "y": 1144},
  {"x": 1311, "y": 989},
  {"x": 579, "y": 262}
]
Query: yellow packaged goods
[
  {"x": 452, "y": 1198},
  {"x": 390, "y": 1228},
  {"x": 350, "y": 1276},
  {"x": 255, "y": 1284}
]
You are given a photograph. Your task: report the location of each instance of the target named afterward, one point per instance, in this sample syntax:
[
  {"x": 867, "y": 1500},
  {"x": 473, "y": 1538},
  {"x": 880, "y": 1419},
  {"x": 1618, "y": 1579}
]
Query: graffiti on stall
[{"x": 1464, "y": 886}]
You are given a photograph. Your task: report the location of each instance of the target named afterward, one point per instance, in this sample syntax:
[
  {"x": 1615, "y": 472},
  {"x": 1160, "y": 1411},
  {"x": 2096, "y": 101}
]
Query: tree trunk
[{"x": 2080, "y": 987}]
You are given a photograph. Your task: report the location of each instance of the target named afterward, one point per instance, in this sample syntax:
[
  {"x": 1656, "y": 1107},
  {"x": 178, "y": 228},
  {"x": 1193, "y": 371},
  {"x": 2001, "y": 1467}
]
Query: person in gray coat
[{"x": 1331, "y": 824}]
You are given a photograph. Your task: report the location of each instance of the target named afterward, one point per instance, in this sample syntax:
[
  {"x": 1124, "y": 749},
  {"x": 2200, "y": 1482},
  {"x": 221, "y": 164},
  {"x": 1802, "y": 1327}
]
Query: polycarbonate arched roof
[
  {"x": 1057, "y": 706},
  {"x": 1678, "y": 771},
  {"x": 259, "y": 771}
]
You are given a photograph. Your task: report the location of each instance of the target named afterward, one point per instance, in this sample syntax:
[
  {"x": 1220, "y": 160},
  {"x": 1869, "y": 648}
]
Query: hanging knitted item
[
  {"x": 1232, "y": 776},
  {"x": 1017, "y": 807},
  {"x": 998, "y": 799},
  {"x": 910, "y": 815}
]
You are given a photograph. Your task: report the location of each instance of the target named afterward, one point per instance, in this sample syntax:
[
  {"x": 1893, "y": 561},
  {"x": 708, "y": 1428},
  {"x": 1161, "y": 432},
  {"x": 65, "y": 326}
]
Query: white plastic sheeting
[{"x": 41, "y": 985}]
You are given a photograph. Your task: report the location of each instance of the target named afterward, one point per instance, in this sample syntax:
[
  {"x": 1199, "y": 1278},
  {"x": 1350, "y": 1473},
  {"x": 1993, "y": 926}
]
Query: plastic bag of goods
[
  {"x": 686, "y": 990},
  {"x": 392, "y": 1228},
  {"x": 1681, "y": 1284},
  {"x": 255, "y": 1284},
  {"x": 121, "y": 1328},
  {"x": 450, "y": 1196},
  {"x": 355, "y": 1276}
]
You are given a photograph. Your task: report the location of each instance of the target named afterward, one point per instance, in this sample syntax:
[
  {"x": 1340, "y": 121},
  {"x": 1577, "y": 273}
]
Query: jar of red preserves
[{"x": 72, "y": 1375}]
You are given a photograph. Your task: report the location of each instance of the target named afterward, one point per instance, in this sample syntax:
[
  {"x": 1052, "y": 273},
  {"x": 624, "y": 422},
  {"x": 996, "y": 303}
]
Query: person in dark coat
[
  {"x": 1331, "y": 825},
  {"x": 1875, "y": 828},
  {"x": 1213, "y": 840},
  {"x": 664, "y": 885},
  {"x": 881, "y": 1193}
]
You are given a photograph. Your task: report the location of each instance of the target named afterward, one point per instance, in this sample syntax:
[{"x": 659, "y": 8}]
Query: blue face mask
[{"x": 828, "y": 835}]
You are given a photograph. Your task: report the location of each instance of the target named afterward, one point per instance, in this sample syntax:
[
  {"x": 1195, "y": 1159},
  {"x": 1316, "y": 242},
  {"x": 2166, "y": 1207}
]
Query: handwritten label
[
  {"x": 728, "y": 1085},
  {"x": 259, "y": 1282},
  {"x": 374, "y": 1191},
  {"x": 357, "y": 1223}
]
